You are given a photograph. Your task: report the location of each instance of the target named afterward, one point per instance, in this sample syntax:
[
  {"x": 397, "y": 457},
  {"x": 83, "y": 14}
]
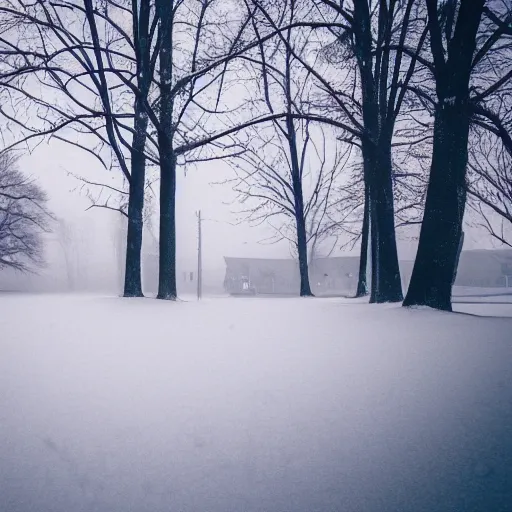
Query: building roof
[
  {"x": 289, "y": 268},
  {"x": 244, "y": 266},
  {"x": 336, "y": 262}
]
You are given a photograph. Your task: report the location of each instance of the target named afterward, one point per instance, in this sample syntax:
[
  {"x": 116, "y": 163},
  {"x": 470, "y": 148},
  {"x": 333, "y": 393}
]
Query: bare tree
[
  {"x": 109, "y": 71},
  {"x": 462, "y": 33},
  {"x": 264, "y": 183},
  {"x": 23, "y": 217},
  {"x": 278, "y": 162},
  {"x": 490, "y": 185},
  {"x": 63, "y": 62},
  {"x": 196, "y": 40},
  {"x": 144, "y": 79},
  {"x": 193, "y": 78},
  {"x": 368, "y": 99}
]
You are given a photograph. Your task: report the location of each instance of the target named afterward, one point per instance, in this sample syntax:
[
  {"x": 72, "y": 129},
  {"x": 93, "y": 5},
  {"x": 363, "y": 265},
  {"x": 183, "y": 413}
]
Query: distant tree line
[{"x": 24, "y": 217}]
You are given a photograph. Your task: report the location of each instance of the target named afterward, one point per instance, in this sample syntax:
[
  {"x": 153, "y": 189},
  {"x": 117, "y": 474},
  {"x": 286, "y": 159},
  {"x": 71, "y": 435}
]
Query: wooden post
[{"x": 199, "y": 258}]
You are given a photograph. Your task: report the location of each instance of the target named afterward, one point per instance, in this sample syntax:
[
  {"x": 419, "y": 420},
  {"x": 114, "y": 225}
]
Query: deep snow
[{"x": 248, "y": 405}]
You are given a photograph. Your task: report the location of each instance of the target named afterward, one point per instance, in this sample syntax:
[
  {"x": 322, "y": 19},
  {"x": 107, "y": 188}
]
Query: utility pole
[{"x": 199, "y": 258}]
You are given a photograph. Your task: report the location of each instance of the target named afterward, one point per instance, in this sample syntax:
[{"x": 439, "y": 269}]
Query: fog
[
  {"x": 95, "y": 232},
  {"x": 96, "y": 235}
]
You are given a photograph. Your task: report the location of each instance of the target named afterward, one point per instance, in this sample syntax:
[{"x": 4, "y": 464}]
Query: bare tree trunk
[
  {"x": 435, "y": 264},
  {"x": 386, "y": 286},
  {"x": 296, "y": 174},
  {"x": 302, "y": 241},
  {"x": 133, "y": 281},
  {"x": 167, "y": 261},
  {"x": 362, "y": 281},
  {"x": 436, "y": 259},
  {"x": 302, "y": 249}
]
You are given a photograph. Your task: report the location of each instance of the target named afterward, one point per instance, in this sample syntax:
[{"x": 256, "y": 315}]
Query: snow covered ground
[{"x": 282, "y": 405}]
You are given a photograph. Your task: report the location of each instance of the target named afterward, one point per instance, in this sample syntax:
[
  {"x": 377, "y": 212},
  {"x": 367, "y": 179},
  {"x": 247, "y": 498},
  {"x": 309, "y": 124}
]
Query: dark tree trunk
[
  {"x": 300, "y": 221},
  {"x": 362, "y": 281},
  {"x": 302, "y": 241},
  {"x": 167, "y": 261},
  {"x": 388, "y": 286},
  {"x": 436, "y": 259},
  {"x": 302, "y": 249},
  {"x": 132, "y": 277},
  {"x": 167, "y": 258},
  {"x": 386, "y": 283},
  {"x": 296, "y": 173}
]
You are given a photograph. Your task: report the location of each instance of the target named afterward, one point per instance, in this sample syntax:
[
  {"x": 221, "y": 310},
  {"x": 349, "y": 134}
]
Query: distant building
[
  {"x": 338, "y": 275},
  {"x": 478, "y": 267},
  {"x": 265, "y": 276},
  {"x": 281, "y": 276}
]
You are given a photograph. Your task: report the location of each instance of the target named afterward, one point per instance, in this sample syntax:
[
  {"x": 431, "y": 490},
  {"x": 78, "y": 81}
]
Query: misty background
[{"x": 95, "y": 235}]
